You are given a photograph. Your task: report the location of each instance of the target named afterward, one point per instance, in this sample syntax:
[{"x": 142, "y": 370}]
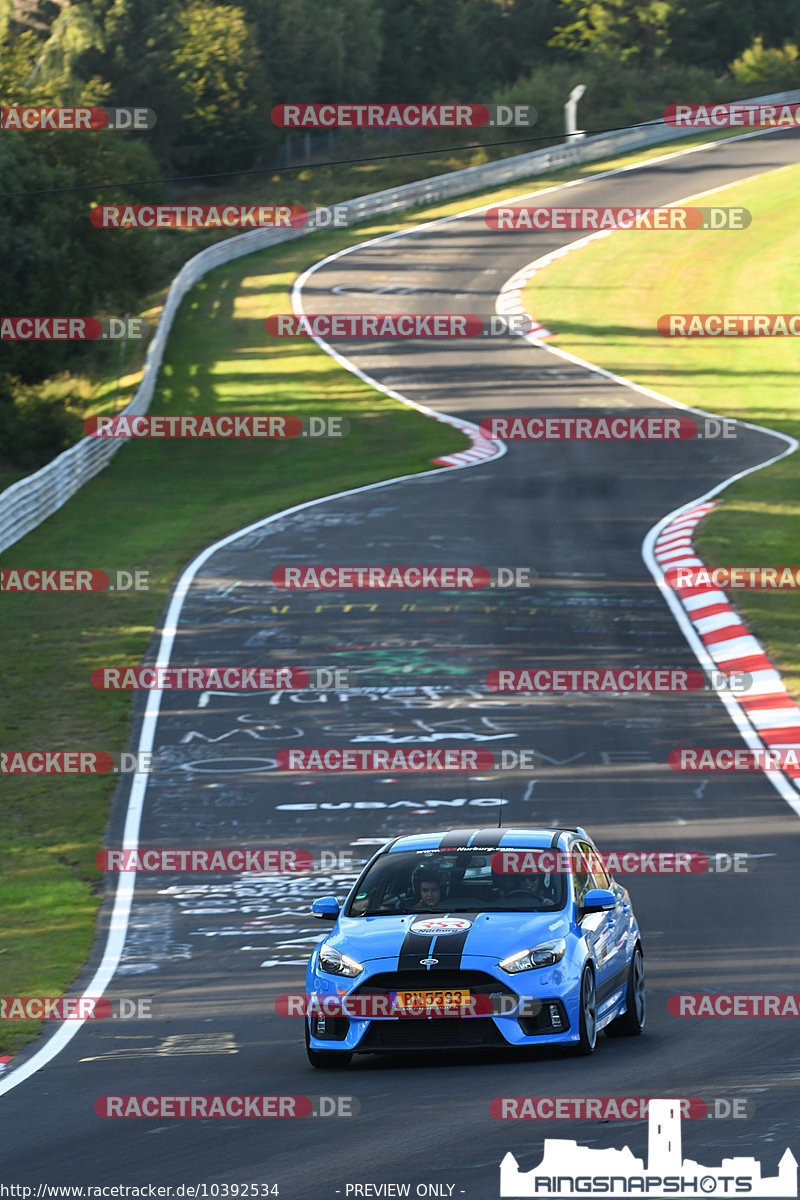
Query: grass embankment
[
  {"x": 603, "y": 302},
  {"x": 153, "y": 509}
]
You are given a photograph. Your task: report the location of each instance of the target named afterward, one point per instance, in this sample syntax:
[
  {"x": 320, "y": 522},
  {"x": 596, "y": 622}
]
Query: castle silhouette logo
[{"x": 568, "y": 1169}]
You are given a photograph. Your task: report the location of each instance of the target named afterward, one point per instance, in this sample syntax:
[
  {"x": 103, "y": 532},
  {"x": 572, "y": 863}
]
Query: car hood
[{"x": 489, "y": 935}]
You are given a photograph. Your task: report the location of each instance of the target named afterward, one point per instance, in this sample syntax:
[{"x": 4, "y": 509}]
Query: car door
[{"x": 602, "y": 929}]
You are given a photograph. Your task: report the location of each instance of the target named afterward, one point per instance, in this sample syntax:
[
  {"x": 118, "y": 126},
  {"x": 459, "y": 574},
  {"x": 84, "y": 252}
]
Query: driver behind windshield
[{"x": 427, "y": 889}]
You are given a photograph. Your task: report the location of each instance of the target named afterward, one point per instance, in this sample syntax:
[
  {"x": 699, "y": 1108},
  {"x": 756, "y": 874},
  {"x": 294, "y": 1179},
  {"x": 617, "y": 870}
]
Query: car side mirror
[
  {"x": 326, "y": 908},
  {"x": 598, "y": 900}
]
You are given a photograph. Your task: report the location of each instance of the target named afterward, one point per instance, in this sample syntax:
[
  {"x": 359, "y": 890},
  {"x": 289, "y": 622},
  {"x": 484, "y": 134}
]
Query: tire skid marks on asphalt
[
  {"x": 768, "y": 705},
  {"x": 151, "y": 941},
  {"x": 172, "y": 1046},
  {"x": 271, "y": 912}
]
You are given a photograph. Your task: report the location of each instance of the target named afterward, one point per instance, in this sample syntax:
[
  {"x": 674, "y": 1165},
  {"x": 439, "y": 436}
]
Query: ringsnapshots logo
[
  {"x": 402, "y": 116},
  {"x": 27, "y": 119},
  {"x": 570, "y": 1170},
  {"x": 505, "y": 218}
]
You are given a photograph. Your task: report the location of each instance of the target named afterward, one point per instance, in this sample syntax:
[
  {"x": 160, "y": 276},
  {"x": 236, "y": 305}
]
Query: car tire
[
  {"x": 587, "y": 1018},
  {"x": 632, "y": 1022},
  {"x": 323, "y": 1059}
]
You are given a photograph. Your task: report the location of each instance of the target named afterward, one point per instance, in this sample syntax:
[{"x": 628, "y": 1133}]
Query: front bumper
[{"x": 528, "y": 1009}]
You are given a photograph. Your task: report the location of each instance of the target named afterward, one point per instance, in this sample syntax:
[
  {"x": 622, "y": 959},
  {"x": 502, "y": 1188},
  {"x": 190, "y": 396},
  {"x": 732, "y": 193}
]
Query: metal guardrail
[{"x": 29, "y": 501}]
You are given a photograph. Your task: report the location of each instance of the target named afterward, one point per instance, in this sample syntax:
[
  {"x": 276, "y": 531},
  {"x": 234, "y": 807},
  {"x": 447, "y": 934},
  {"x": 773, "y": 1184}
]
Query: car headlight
[
  {"x": 546, "y": 955},
  {"x": 334, "y": 963}
]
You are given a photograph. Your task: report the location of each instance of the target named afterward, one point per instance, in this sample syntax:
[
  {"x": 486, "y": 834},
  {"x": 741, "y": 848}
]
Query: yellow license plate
[{"x": 445, "y": 998}]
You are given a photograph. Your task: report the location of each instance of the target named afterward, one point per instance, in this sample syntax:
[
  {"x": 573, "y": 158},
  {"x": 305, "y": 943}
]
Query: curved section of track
[{"x": 214, "y": 954}]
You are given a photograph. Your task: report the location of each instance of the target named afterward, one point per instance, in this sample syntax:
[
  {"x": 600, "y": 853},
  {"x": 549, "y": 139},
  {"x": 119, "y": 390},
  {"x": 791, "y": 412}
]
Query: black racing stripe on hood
[
  {"x": 449, "y": 947},
  {"x": 415, "y": 946}
]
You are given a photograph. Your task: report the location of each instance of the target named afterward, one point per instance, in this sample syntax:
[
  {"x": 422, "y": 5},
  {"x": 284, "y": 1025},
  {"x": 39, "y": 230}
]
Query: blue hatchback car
[{"x": 476, "y": 938}]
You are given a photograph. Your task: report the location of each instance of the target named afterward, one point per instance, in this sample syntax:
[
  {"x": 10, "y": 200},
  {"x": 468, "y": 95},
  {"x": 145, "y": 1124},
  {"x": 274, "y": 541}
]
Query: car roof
[{"x": 485, "y": 839}]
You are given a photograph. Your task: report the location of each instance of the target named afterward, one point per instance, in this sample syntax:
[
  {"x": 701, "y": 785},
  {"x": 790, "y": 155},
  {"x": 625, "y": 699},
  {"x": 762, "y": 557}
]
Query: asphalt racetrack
[{"x": 213, "y": 953}]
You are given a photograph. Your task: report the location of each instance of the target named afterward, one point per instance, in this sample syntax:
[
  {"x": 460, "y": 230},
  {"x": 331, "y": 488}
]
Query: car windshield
[{"x": 449, "y": 881}]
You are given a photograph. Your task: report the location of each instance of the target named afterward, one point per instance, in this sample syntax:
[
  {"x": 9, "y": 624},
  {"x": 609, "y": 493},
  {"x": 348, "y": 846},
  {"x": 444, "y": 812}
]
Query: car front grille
[
  {"x": 479, "y": 983},
  {"x": 443, "y": 1033}
]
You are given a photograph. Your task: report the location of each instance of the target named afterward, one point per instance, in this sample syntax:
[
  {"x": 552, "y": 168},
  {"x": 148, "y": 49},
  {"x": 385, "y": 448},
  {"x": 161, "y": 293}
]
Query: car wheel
[
  {"x": 326, "y": 1058},
  {"x": 631, "y": 1023},
  {"x": 587, "y": 1021}
]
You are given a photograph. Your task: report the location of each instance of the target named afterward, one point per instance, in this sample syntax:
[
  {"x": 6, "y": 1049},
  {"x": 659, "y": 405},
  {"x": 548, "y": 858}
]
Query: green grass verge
[
  {"x": 153, "y": 509},
  {"x": 603, "y": 301}
]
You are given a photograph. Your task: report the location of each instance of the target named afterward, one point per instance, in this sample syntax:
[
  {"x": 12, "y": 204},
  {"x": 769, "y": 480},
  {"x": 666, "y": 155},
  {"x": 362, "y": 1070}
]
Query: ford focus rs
[{"x": 476, "y": 938}]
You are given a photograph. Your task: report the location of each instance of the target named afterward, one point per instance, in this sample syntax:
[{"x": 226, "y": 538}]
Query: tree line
[{"x": 212, "y": 73}]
